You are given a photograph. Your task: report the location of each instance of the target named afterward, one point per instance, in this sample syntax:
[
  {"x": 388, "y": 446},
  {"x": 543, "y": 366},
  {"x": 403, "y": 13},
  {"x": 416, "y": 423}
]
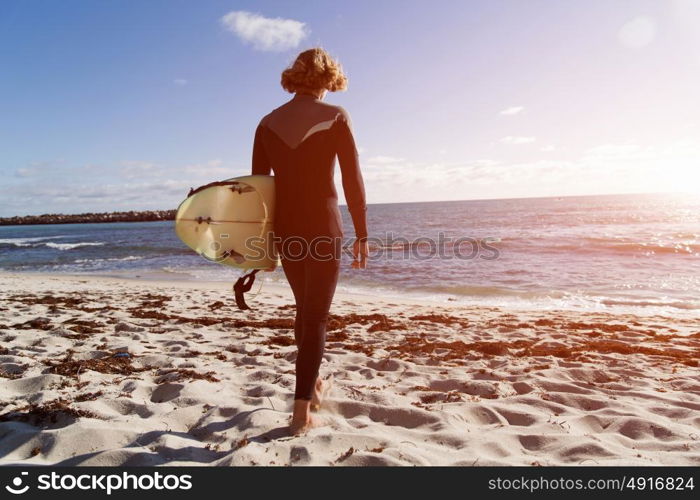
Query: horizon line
[{"x": 394, "y": 202}]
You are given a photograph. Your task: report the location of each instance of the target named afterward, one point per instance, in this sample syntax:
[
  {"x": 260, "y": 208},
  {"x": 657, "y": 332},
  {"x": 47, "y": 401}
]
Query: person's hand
[{"x": 360, "y": 250}]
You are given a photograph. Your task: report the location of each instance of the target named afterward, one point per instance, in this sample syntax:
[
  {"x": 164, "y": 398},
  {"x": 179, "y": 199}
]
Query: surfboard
[{"x": 230, "y": 222}]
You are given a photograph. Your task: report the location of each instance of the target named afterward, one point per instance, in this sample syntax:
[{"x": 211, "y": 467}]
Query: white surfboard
[{"x": 230, "y": 222}]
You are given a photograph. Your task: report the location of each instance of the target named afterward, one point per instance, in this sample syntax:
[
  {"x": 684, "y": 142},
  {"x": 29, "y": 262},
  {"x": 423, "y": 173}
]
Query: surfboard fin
[
  {"x": 235, "y": 186},
  {"x": 239, "y": 258},
  {"x": 241, "y": 188}
]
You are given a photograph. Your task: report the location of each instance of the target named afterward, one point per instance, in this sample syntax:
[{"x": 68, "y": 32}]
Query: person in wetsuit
[{"x": 299, "y": 141}]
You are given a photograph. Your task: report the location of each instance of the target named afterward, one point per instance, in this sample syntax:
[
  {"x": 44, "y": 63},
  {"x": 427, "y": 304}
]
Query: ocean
[{"x": 632, "y": 253}]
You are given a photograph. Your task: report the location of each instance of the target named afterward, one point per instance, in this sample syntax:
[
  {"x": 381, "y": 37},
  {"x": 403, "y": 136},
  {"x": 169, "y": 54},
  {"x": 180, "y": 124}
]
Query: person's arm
[
  {"x": 261, "y": 164},
  {"x": 353, "y": 184}
]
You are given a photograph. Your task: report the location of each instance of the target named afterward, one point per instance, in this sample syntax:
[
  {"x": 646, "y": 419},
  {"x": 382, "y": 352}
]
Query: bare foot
[
  {"x": 317, "y": 397},
  {"x": 301, "y": 427},
  {"x": 302, "y": 420}
]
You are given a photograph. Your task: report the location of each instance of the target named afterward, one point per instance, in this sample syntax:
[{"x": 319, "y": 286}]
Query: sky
[{"x": 126, "y": 104}]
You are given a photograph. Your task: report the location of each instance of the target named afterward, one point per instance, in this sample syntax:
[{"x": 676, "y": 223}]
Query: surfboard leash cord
[{"x": 243, "y": 285}]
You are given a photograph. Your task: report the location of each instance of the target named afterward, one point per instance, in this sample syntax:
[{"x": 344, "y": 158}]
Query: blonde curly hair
[{"x": 312, "y": 71}]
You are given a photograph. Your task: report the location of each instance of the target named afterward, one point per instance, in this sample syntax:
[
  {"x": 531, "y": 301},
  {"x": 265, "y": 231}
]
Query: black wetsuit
[{"x": 299, "y": 142}]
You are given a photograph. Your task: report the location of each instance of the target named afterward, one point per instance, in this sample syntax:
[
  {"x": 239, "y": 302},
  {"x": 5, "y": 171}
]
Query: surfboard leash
[{"x": 243, "y": 285}]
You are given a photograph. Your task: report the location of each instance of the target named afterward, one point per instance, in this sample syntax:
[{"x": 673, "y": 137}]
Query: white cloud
[
  {"x": 46, "y": 167},
  {"x": 139, "y": 169},
  {"x": 137, "y": 185},
  {"x": 141, "y": 165},
  {"x": 264, "y": 33},
  {"x": 25, "y": 172},
  {"x": 606, "y": 168},
  {"x": 211, "y": 169},
  {"x": 180, "y": 81},
  {"x": 637, "y": 33},
  {"x": 513, "y": 110},
  {"x": 516, "y": 140},
  {"x": 384, "y": 159},
  {"x": 205, "y": 171},
  {"x": 548, "y": 148}
]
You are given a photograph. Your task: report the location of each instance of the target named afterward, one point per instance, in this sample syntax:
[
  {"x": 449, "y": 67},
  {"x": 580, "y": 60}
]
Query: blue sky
[{"x": 117, "y": 105}]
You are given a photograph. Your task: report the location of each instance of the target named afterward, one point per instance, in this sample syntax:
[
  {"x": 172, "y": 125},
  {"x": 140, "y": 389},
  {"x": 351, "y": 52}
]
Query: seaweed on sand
[
  {"x": 46, "y": 413},
  {"x": 72, "y": 367}
]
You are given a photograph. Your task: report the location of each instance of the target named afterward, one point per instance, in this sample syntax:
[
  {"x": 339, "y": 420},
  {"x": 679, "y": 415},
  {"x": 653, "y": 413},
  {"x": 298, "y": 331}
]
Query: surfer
[{"x": 299, "y": 142}]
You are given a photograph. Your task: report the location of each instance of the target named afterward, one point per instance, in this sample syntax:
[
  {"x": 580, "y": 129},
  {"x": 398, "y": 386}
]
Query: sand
[{"x": 112, "y": 371}]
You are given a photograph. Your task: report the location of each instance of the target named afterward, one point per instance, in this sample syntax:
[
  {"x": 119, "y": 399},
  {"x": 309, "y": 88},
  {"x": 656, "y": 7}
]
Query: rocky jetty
[{"x": 131, "y": 216}]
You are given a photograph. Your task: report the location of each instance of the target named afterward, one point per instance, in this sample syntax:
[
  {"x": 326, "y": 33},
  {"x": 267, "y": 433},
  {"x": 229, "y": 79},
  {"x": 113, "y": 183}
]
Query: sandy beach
[{"x": 111, "y": 371}]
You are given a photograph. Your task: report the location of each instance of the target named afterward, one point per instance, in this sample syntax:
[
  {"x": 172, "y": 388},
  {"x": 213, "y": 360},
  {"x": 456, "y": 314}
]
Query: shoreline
[
  {"x": 124, "y": 371},
  {"x": 369, "y": 293},
  {"x": 277, "y": 289}
]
